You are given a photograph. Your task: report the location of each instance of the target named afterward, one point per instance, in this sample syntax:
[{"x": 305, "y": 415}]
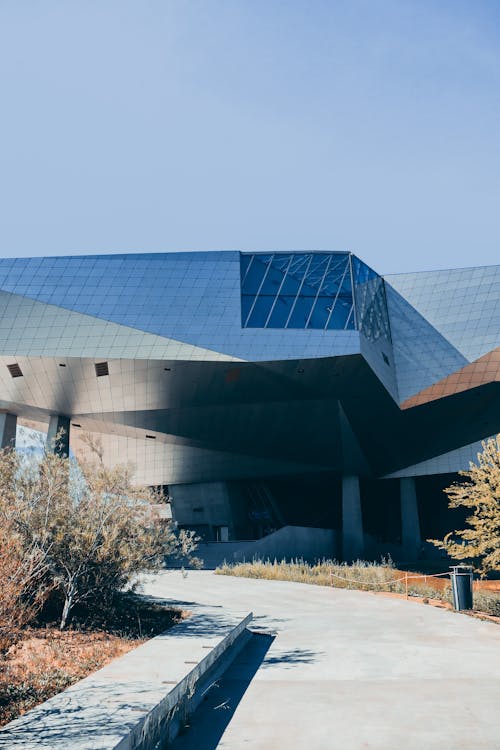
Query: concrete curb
[{"x": 139, "y": 701}]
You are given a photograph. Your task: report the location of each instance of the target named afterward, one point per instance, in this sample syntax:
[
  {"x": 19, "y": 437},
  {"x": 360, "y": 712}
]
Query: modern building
[{"x": 298, "y": 391}]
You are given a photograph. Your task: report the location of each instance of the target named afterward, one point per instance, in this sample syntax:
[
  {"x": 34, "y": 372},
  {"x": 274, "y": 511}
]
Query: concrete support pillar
[
  {"x": 59, "y": 426},
  {"x": 410, "y": 523},
  {"x": 8, "y": 424},
  {"x": 352, "y": 521}
]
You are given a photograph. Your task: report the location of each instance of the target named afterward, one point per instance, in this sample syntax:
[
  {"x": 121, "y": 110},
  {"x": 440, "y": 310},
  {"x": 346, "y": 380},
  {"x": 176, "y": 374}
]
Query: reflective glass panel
[
  {"x": 281, "y": 311},
  {"x": 341, "y": 316},
  {"x": 300, "y": 313},
  {"x": 371, "y": 303},
  {"x": 297, "y": 290},
  {"x": 320, "y": 313},
  {"x": 255, "y": 274},
  {"x": 246, "y": 304},
  {"x": 261, "y": 309}
]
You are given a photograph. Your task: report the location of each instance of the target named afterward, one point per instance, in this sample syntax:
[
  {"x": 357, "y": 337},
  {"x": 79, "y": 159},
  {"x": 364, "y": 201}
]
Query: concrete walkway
[{"x": 344, "y": 669}]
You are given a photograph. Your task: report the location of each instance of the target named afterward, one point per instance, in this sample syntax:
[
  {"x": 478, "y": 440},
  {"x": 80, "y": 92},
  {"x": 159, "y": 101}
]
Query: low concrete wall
[
  {"x": 140, "y": 699},
  {"x": 289, "y": 542},
  {"x": 293, "y": 541}
]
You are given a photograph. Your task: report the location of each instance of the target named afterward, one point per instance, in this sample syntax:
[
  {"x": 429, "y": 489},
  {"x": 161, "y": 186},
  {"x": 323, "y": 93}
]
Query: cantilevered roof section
[{"x": 191, "y": 298}]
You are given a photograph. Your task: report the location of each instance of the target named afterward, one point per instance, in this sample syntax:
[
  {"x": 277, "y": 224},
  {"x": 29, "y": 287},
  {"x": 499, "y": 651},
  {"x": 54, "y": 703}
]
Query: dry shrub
[
  {"x": 22, "y": 591},
  {"x": 479, "y": 543},
  {"x": 86, "y": 528},
  {"x": 486, "y": 601}
]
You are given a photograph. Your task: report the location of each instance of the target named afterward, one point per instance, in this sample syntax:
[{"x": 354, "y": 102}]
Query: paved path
[{"x": 346, "y": 670}]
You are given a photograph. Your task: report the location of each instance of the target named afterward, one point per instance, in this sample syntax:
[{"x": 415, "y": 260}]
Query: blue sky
[{"x": 367, "y": 125}]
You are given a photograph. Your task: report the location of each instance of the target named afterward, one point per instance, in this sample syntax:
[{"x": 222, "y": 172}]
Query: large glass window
[{"x": 297, "y": 290}]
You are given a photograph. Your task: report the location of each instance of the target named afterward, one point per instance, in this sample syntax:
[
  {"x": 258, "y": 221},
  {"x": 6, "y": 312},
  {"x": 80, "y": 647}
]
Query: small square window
[
  {"x": 15, "y": 371},
  {"x": 101, "y": 368}
]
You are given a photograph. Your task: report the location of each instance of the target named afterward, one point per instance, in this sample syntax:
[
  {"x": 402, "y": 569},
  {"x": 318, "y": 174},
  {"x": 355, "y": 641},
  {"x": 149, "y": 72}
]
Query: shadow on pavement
[
  {"x": 293, "y": 657},
  {"x": 208, "y": 723},
  {"x": 202, "y": 622}
]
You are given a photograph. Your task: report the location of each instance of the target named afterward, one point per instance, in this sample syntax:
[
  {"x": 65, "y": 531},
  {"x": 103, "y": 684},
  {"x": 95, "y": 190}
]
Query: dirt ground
[
  {"x": 44, "y": 661},
  {"x": 493, "y": 586},
  {"x": 440, "y": 583}
]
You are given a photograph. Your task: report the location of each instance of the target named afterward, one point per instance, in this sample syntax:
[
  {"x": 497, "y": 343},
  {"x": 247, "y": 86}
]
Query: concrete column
[
  {"x": 352, "y": 521},
  {"x": 8, "y": 424},
  {"x": 59, "y": 425},
  {"x": 410, "y": 523}
]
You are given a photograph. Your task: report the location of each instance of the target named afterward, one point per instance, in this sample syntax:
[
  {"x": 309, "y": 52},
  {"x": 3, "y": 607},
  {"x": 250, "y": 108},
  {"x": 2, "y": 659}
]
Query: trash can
[{"x": 461, "y": 586}]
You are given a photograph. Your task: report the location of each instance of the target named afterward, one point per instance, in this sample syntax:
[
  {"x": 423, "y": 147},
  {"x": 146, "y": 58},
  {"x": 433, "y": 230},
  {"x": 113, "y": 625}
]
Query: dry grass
[
  {"x": 359, "y": 575},
  {"x": 43, "y": 661},
  {"x": 365, "y": 576},
  {"x": 488, "y": 602}
]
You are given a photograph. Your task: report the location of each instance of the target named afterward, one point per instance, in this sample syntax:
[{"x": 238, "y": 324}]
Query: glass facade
[
  {"x": 329, "y": 291},
  {"x": 297, "y": 290},
  {"x": 181, "y": 333},
  {"x": 371, "y": 304}
]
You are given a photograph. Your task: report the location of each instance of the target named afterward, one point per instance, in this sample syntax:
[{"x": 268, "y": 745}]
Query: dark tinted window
[{"x": 297, "y": 290}]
